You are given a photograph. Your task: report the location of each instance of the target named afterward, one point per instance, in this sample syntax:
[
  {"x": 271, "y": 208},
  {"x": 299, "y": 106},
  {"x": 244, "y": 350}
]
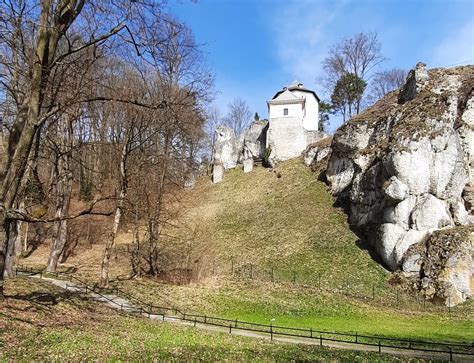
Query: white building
[{"x": 293, "y": 115}]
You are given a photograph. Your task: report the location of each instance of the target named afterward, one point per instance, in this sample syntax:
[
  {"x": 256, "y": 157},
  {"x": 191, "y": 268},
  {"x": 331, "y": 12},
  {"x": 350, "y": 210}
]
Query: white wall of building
[
  {"x": 310, "y": 119},
  {"x": 286, "y": 137},
  {"x": 294, "y": 110}
]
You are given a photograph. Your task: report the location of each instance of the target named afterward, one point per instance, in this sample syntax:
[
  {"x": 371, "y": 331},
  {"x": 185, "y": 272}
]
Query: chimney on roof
[{"x": 296, "y": 84}]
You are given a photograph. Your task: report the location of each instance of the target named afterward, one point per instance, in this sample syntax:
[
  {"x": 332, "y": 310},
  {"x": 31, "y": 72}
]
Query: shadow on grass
[{"x": 364, "y": 245}]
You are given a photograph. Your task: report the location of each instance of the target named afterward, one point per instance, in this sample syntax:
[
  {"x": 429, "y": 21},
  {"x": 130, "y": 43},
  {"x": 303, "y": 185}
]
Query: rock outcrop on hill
[
  {"x": 404, "y": 168},
  {"x": 230, "y": 149}
]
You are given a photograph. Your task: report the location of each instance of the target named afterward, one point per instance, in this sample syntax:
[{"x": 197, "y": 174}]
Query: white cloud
[
  {"x": 302, "y": 36},
  {"x": 457, "y": 48},
  {"x": 303, "y": 32}
]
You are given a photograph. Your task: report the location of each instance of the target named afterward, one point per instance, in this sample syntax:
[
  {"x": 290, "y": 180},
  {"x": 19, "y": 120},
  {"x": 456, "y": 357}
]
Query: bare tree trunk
[
  {"x": 18, "y": 241},
  {"x": 59, "y": 239},
  {"x": 64, "y": 191},
  {"x": 10, "y": 257},
  {"x": 25, "y": 238},
  {"x": 3, "y": 244},
  {"x": 104, "y": 275}
]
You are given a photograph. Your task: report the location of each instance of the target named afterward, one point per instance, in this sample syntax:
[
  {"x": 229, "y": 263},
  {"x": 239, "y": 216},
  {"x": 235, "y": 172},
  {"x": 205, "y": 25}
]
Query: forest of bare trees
[{"x": 100, "y": 101}]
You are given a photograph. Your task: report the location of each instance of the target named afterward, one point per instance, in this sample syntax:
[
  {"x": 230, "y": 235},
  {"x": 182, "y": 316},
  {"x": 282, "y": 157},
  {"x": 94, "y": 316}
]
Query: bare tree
[
  {"x": 385, "y": 82},
  {"x": 238, "y": 116},
  {"x": 356, "y": 55},
  {"x": 38, "y": 41}
]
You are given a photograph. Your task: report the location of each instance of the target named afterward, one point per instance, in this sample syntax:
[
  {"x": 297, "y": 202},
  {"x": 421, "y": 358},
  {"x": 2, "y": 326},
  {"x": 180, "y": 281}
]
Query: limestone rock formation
[
  {"x": 317, "y": 151},
  {"x": 226, "y": 147},
  {"x": 404, "y": 167},
  {"x": 230, "y": 150},
  {"x": 440, "y": 266},
  {"x": 255, "y": 138}
]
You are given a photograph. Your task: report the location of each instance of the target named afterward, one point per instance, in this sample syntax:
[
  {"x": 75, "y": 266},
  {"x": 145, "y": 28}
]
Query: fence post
[
  {"x": 450, "y": 354},
  {"x": 184, "y": 316},
  {"x": 373, "y": 292},
  {"x": 294, "y": 277},
  {"x": 271, "y": 331},
  {"x": 380, "y": 347},
  {"x": 232, "y": 268},
  {"x": 230, "y": 328},
  {"x": 205, "y": 319},
  {"x": 194, "y": 322},
  {"x": 356, "y": 337},
  {"x": 449, "y": 304},
  {"x": 236, "y": 323},
  {"x": 319, "y": 281},
  {"x": 273, "y": 275},
  {"x": 310, "y": 332},
  {"x": 163, "y": 316},
  {"x": 321, "y": 340},
  {"x": 251, "y": 271}
]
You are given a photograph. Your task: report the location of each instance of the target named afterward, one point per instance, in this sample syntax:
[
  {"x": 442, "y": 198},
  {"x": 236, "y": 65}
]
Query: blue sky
[{"x": 256, "y": 47}]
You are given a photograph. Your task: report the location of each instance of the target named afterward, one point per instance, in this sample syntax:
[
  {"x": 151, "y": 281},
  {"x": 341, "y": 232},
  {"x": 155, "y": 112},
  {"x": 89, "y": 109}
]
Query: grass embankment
[
  {"x": 290, "y": 225},
  {"x": 39, "y": 322},
  {"x": 287, "y": 223}
]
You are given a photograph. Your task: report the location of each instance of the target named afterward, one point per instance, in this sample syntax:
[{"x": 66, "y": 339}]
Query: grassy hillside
[
  {"x": 233, "y": 235},
  {"x": 286, "y": 223},
  {"x": 39, "y": 322}
]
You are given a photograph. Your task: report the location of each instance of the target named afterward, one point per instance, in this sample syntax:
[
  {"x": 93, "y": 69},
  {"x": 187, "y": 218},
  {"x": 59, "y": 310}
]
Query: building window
[{"x": 285, "y": 112}]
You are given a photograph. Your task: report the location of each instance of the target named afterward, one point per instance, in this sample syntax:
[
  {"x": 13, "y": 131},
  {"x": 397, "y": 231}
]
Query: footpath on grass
[{"x": 117, "y": 299}]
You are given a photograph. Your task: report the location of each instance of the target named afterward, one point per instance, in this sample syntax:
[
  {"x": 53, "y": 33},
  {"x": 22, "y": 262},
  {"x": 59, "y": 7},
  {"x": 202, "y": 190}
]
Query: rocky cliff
[{"x": 404, "y": 168}]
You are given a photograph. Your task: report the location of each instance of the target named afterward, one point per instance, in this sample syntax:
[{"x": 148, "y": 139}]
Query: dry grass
[{"x": 38, "y": 322}]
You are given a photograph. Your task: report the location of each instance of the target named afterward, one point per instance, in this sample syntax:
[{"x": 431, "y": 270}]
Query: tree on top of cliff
[
  {"x": 358, "y": 55},
  {"x": 347, "y": 94}
]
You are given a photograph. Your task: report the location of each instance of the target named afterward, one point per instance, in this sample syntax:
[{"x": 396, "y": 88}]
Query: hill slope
[
  {"x": 287, "y": 223},
  {"x": 290, "y": 225}
]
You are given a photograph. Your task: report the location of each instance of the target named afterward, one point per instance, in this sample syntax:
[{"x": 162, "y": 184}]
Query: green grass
[
  {"x": 288, "y": 224},
  {"x": 39, "y": 322},
  {"x": 296, "y": 306}
]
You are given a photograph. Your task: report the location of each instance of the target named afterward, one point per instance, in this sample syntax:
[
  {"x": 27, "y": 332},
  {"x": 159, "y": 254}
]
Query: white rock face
[
  {"x": 410, "y": 238},
  {"x": 411, "y": 165},
  {"x": 389, "y": 236},
  {"x": 317, "y": 151},
  {"x": 255, "y": 138},
  {"x": 412, "y": 264},
  {"x": 396, "y": 190},
  {"x": 340, "y": 173},
  {"x": 442, "y": 265},
  {"x": 400, "y": 213},
  {"x": 217, "y": 173},
  {"x": 230, "y": 150},
  {"x": 404, "y": 167},
  {"x": 430, "y": 213},
  {"x": 415, "y": 81},
  {"x": 226, "y": 147}
]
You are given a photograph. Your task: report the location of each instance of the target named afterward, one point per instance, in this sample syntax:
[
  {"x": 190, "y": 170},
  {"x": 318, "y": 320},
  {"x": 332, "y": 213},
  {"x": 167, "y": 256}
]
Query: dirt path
[{"x": 119, "y": 303}]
